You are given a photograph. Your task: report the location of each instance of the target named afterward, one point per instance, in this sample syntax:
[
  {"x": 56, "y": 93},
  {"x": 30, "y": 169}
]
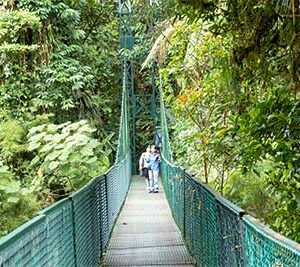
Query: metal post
[
  {"x": 184, "y": 204},
  {"x": 74, "y": 231}
]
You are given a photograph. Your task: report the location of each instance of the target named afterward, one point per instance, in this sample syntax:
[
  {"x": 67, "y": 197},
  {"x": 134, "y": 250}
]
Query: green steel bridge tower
[{"x": 140, "y": 103}]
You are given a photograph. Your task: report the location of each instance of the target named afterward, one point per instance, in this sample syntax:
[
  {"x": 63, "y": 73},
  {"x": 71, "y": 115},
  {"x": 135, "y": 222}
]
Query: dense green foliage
[
  {"x": 59, "y": 96},
  {"x": 230, "y": 74},
  {"x": 67, "y": 155}
]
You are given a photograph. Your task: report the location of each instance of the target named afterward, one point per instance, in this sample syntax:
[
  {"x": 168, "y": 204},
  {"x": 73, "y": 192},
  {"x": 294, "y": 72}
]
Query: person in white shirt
[{"x": 143, "y": 166}]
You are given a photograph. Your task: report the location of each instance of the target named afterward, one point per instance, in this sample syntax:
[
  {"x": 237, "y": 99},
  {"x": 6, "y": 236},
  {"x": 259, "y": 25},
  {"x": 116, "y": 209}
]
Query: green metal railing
[
  {"x": 75, "y": 231},
  {"x": 217, "y": 232}
]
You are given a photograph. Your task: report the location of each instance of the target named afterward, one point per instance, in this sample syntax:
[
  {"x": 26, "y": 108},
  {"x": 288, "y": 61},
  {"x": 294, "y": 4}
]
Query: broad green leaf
[
  {"x": 87, "y": 151},
  {"x": 4, "y": 169},
  {"x": 86, "y": 128},
  {"x": 74, "y": 157},
  {"x": 33, "y": 146},
  {"x": 53, "y": 165},
  {"x": 53, "y": 155},
  {"x": 66, "y": 169},
  {"x": 13, "y": 199},
  {"x": 12, "y": 187}
]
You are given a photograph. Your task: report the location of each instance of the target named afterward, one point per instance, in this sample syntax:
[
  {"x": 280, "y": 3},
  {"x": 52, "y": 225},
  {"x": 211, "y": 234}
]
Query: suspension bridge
[{"x": 112, "y": 221}]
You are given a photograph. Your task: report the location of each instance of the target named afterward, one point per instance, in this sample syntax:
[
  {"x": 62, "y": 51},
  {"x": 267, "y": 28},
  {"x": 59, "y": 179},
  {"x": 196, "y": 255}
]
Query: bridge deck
[{"x": 145, "y": 233}]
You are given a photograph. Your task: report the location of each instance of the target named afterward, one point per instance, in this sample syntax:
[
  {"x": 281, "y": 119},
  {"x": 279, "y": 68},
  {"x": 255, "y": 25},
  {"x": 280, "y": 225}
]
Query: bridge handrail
[
  {"x": 218, "y": 232},
  {"x": 230, "y": 205},
  {"x": 73, "y": 231}
]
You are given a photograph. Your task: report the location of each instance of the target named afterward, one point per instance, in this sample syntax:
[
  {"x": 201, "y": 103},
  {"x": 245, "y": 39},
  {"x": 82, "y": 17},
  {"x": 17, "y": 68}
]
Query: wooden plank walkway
[{"x": 145, "y": 233}]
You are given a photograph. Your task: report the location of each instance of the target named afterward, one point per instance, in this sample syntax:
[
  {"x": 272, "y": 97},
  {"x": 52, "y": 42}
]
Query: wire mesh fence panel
[
  {"x": 60, "y": 242},
  {"x": 121, "y": 182},
  {"x": 124, "y": 179},
  {"x": 103, "y": 209},
  {"x": 26, "y": 246},
  {"x": 217, "y": 232},
  {"x": 230, "y": 243},
  {"x": 112, "y": 196},
  {"x": 174, "y": 188},
  {"x": 85, "y": 239},
  {"x": 264, "y": 247},
  {"x": 118, "y": 179},
  {"x": 164, "y": 175},
  {"x": 200, "y": 222},
  {"x": 99, "y": 213},
  {"x": 74, "y": 231}
]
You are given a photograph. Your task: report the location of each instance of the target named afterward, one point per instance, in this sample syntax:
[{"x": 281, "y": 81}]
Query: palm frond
[{"x": 160, "y": 46}]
